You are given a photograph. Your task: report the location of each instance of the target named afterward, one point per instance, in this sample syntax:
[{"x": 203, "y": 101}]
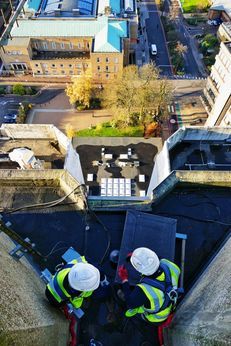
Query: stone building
[
  {"x": 56, "y": 40},
  {"x": 220, "y": 9}
]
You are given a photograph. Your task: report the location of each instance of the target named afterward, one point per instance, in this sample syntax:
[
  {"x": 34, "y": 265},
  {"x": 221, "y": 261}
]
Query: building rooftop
[
  {"x": 194, "y": 203},
  {"x": 106, "y": 32},
  {"x": 65, "y": 7},
  {"x": 222, "y": 5},
  {"x": 114, "y": 4},
  {"x": 117, "y": 158},
  {"x": 49, "y": 151}
]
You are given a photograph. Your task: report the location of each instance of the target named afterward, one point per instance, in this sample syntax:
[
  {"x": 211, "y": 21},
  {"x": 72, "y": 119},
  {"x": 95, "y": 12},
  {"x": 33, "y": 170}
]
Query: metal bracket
[{"x": 19, "y": 251}]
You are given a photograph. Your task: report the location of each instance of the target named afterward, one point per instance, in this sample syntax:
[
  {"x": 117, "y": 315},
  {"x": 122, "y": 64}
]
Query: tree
[
  {"x": 70, "y": 132},
  {"x": 120, "y": 96},
  {"x": 137, "y": 95},
  {"x": 180, "y": 48},
  {"x": 80, "y": 91},
  {"x": 19, "y": 89}
]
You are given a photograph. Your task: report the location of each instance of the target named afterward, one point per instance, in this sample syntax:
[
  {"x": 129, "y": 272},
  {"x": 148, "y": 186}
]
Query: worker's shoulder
[{"x": 170, "y": 264}]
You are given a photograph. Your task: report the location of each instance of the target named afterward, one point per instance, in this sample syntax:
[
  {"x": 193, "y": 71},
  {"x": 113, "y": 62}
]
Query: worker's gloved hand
[{"x": 123, "y": 273}]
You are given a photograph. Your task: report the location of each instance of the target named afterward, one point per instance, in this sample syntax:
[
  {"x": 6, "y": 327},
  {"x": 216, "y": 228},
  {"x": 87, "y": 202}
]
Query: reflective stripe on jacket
[
  {"x": 156, "y": 297},
  {"x": 57, "y": 289}
]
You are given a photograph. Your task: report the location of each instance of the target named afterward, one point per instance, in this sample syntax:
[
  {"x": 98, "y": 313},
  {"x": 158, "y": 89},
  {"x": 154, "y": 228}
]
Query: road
[
  {"x": 155, "y": 35},
  {"x": 191, "y": 64}
]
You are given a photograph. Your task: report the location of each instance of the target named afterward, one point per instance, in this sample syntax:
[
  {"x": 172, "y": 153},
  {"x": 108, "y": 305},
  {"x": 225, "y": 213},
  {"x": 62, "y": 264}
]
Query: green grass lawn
[
  {"x": 193, "y": 5},
  {"x": 105, "y": 130}
]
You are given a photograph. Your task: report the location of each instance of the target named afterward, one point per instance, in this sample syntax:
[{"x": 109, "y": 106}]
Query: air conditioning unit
[{"x": 76, "y": 11}]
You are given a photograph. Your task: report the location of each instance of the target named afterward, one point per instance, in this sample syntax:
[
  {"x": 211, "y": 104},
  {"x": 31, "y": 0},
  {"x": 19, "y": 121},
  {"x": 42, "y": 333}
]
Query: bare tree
[{"x": 137, "y": 95}]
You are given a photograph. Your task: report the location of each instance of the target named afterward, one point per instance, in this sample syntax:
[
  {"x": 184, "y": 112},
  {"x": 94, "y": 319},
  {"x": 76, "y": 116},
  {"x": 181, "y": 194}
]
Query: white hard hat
[
  {"x": 84, "y": 277},
  {"x": 145, "y": 261}
]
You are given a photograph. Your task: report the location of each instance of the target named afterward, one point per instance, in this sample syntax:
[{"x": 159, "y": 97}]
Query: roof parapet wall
[{"x": 203, "y": 318}]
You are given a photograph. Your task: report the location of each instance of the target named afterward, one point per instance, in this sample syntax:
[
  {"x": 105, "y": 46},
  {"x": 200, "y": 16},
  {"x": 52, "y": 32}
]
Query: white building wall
[{"x": 221, "y": 74}]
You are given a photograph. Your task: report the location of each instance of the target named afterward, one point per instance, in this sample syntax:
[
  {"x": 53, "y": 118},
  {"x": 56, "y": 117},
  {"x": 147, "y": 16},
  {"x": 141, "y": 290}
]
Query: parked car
[
  {"x": 9, "y": 121},
  {"x": 214, "y": 22},
  {"x": 153, "y": 49},
  {"x": 10, "y": 116}
]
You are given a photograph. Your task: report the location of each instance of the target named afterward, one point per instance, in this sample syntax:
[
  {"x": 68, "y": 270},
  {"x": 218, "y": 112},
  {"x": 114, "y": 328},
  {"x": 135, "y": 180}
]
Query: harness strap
[
  {"x": 58, "y": 289},
  {"x": 166, "y": 286}
]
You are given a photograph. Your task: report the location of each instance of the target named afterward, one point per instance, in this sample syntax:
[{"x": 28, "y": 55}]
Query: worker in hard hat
[
  {"x": 155, "y": 296},
  {"x": 74, "y": 282}
]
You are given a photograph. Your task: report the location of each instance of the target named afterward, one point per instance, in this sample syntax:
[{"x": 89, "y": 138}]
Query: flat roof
[
  {"x": 122, "y": 158},
  {"x": 114, "y": 4},
  {"x": 201, "y": 155},
  {"x": 49, "y": 151}
]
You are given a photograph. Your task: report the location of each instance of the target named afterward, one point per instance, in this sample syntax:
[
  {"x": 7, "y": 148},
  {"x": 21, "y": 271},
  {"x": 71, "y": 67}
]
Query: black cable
[
  {"x": 89, "y": 211},
  {"x": 45, "y": 204}
]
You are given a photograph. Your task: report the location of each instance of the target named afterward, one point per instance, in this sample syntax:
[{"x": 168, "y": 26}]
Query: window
[
  {"x": 53, "y": 65},
  {"x": 107, "y": 59},
  {"x": 71, "y": 45},
  {"x": 46, "y": 72},
  {"x": 35, "y": 45},
  {"x": 71, "y": 72},
  {"x": 107, "y": 76},
  {"x": 79, "y": 45},
  {"x": 107, "y": 68},
  {"x": 38, "y": 71},
  {"x": 70, "y": 65},
  {"x": 116, "y": 60},
  {"x": 79, "y": 65},
  {"x": 53, "y": 45},
  {"x": 62, "y": 45},
  {"x": 63, "y": 72},
  {"x": 88, "y": 45},
  {"x": 45, "y": 45},
  {"x": 98, "y": 68},
  {"x": 61, "y": 65},
  {"x": 36, "y": 65},
  {"x": 98, "y": 59}
]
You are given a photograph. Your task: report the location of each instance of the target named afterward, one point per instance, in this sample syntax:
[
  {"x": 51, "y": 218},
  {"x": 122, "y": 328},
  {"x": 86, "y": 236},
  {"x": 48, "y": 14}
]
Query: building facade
[
  {"x": 217, "y": 93},
  {"x": 64, "y": 43}
]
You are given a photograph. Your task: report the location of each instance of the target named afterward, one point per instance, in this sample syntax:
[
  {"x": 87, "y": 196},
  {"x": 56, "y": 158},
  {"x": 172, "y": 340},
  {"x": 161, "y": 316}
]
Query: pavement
[{"x": 59, "y": 112}]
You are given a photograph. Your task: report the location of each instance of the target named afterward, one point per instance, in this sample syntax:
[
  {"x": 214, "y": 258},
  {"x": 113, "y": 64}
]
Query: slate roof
[{"x": 107, "y": 33}]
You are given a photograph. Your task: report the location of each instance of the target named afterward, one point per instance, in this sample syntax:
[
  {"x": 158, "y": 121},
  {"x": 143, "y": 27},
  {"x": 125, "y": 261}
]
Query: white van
[{"x": 153, "y": 49}]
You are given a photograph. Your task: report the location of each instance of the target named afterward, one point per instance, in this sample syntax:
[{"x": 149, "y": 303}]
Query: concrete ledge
[{"x": 26, "y": 318}]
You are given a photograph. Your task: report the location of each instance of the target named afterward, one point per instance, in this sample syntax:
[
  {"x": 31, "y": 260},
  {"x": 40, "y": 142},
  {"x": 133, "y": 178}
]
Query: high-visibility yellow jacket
[
  {"x": 56, "y": 287},
  {"x": 156, "y": 296}
]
